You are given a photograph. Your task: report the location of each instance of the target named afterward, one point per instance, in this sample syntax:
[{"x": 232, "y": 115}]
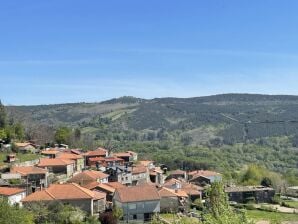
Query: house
[
  {"x": 244, "y": 194},
  {"x": 137, "y": 202},
  {"x": 34, "y": 177},
  {"x": 177, "y": 174},
  {"x": 13, "y": 195},
  {"x": 102, "y": 187},
  {"x": 193, "y": 191},
  {"x": 115, "y": 185},
  {"x": 173, "y": 200},
  {"x": 92, "y": 202},
  {"x": 126, "y": 156},
  {"x": 89, "y": 176},
  {"x": 11, "y": 158},
  {"x": 157, "y": 176},
  {"x": 100, "y": 152},
  {"x": 203, "y": 177},
  {"x": 147, "y": 163},
  {"x": 121, "y": 174},
  {"x": 134, "y": 155},
  {"x": 58, "y": 166},
  {"x": 78, "y": 159},
  {"x": 169, "y": 201},
  {"x": 50, "y": 153},
  {"x": 292, "y": 191},
  {"x": 107, "y": 162},
  {"x": 139, "y": 175},
  {"x": 25, "y": 147}
]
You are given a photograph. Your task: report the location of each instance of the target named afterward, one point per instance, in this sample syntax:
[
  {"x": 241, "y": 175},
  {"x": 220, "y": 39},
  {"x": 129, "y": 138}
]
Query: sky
[{"x": 63, "y": 51}]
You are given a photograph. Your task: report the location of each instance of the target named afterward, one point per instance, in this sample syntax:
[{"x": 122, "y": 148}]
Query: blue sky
[{"x": 73, "y": 51}]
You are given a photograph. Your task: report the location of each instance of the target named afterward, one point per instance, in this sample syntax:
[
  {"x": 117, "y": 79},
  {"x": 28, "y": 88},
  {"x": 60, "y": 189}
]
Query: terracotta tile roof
[
  {"x": 139, "y": 169},
  {"x": 145, "y": 162},
  {"x": 97, "y": 152},
  {"x": 87, "y": 177},
  {"x": 50, "y": 152},
  {"x": 165, "y": 193},
  {"x": 132, "y": 152},
  {"x": 122, "y": 154},
  {"x": 192, "y": 189},
  {"x": 54, "y": 162},
  {"x": 95, "y": 185},
  {"x": 99, "y": 195},
  {"x": 205, "y": 173},
  {"x": 7, "y": 191},
  {"x": 172, "y": 181},
  {"x": 178, "y": 192},
  {"x": 26, "y": 170},
  {"x": 76, "y": 151},
  {"x": 70, "y": 156},
  {"x": 138, "y": 193},
  {"x": 178, "y": 172},
  {"x": 62, "y": 192},
  {"x": 115, "y": 185},
  {"x": 106, "y": 159}
]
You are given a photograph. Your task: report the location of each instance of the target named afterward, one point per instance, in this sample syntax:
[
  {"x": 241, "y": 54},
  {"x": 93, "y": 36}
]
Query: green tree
[
  {"x": 14, "y": 214},
  {"x": 117, "y": 212},
  {"x": 3, "y": 134},
  {"x": 19, "y": 131},
  {"x": 219, "y": 210},
  {"x": 2, "y": 115},
  {"x": 63, "y": 135}
]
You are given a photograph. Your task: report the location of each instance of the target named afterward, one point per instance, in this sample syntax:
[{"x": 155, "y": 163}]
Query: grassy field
[
  {"x": 258, "y": 215},
  {"x": 173, "y": 218},
  {"x": 21, "y": 156},
  {"x": 293, "y": 204}
]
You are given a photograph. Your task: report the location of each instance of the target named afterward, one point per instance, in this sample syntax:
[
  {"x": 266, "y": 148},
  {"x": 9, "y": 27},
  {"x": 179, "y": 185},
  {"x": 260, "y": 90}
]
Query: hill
[{"x": 229, "y": 118}]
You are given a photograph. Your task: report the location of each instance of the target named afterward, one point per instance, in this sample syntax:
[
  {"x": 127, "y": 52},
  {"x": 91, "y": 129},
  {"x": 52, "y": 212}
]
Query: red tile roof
[
  {"x": 145, "y": 162},
  {"x": 95, "y": 185},
  {"x": 63, "y": 192},
  {"x": 106, "y": 159},
  {"x": 97, "y": 152},
  {"x": 178, "y": 192},
  {"x": 70, "y": 156},
  {"x": 138, "y": 193},
  {"x": 26, "y": 170},
  {"x": 115, "y": 185},
  {"x": 122, "y": 154},
  {"x": 165, "y": 193},
  {"x": 171, "y": 182},
  {"x": 177, "y": 172},
  {"x": 205, "y": 173},
  {"x": 8, "y": 191},
  {"x": 50, "y": 152},
  {"x": 139, "y": 169},
  {"x": 87, "y": 177},
  {"x": 54, "y": 162}
]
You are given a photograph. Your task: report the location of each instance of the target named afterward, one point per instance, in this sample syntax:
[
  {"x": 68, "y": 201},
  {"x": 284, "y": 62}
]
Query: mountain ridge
[{"x": 177, "y": 116}]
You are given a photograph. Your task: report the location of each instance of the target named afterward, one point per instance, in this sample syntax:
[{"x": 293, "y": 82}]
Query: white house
[{"x": 14, "y": 195}]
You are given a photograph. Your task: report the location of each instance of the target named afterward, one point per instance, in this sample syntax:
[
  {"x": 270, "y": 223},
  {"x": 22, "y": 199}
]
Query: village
[{"x": 97, "y": 181}]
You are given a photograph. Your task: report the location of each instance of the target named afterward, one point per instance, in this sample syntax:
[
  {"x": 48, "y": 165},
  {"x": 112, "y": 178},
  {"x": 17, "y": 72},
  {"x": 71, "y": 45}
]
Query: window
[
  {"x": 134, "y": 216},
  {"x": 132, "y": 206}
]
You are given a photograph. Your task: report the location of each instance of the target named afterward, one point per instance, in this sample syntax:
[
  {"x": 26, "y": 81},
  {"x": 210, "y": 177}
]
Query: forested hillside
[
  {"x": 222, "y": 132},
  {"x": 228, "y": 118}
]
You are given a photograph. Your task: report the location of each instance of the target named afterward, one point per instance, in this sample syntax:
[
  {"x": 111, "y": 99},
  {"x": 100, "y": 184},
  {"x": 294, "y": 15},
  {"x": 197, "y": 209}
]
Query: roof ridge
[
  {"x": 50, "y": 194},
  {"x": 85, "y": 190}
]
